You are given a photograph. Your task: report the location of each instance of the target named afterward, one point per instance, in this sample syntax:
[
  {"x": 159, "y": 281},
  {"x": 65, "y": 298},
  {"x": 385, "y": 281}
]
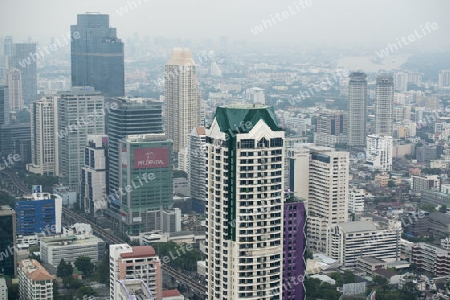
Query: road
[
  {"x": 17, "y": 182},
  {"x": 111, "y": 239},
  {"x": 185, "y": 279}
]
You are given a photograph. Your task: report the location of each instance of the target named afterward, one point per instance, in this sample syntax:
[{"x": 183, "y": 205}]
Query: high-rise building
[
  {"x": 14, "y": 83},
  {"x": 401, "y": 81},
  {"x": 379, "y": 152},
  {"x": 97, "y": 57},
  {"x": 131, "y": 117},
  {"x": 8, "y": 241},
  {"x": 35, "y": 282},
  {"x": 256, "y": 95},
  {"x": 24, "y": 59},
  {"x": 245, "y": 195},
  {"x": 80, "y": 113},
  {"x": 128, "y": 262},
  {"x": 4, "y": 105},
  {"x": 182, "y": 98},
  {"x": 94, "y": 175},
  {"x": 215, "y": 70},
  {"x": 38, "y": 213},
  {"x": 331, "y": 128},
  {"x": 327, "y": 193},
  {"x": 384, "y": 104},
  {"x": 16, "y": 138},
  {"x": 444, "y": 80},
  {"x": 197, "y": 165},
  {"x": 294, "y": 243},
  {"x": 357, "y": 109},
  {"x": 146, "y": 183},
  {"x": 44, "y": 138}
]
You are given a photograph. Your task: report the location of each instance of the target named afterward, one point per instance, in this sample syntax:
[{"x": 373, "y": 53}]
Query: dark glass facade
[
  {"x": 130, "y": 117},
  {"x": 97, "y": 57},
  {"x": 146, "y": 181},
  {"x": 24, "y": 59},
  {"x": 7, "y": 241}
]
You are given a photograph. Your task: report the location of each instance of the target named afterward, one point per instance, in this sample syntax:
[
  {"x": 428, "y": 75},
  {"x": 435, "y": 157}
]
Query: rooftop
[
  {"x": 370, "y": 259},
  {"x": 235, "y": 117},
  {"x": 358, "y": 226},
  {"x": 440, "y": 217},
  {"x": 140, "y": 251},
  {"x": 170, "y": 293},
  {"x": 33, "y": 269}
]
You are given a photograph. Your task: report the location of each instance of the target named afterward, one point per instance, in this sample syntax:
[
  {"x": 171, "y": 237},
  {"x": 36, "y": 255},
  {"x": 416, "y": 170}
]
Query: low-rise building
[
  {"x": 356, "y": 200},
  {"x": 133, "y": 289},
  {"x": 34, "y": 281},
  {"x": 439, "y": 225},
  {"x": 431, "y": 258},
  {"x": 350, "y": 240},
  {"x": 425, "y": 182},
  {"x": 70, "y": 246},
  {"x": 368, "y": 264}
]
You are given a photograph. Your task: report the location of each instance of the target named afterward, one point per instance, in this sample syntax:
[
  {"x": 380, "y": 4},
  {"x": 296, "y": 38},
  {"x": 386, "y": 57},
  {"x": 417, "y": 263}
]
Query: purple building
[{"x": 293, "y": 250}]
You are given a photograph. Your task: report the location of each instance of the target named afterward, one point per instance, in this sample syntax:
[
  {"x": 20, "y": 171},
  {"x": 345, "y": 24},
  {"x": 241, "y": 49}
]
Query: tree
[
  {"x": 84, "y": 264},
  {"x": 72, "y": 283},
  {"x": 380, "y": 280},
  {"x": 428, "y": 207},
  {"x": 56, "y": 295},
  {"x": 391, "y": 183},
  {"x": 85, "y": 291},
  {"x": 64, "y": 269},
  {"x": 337, "y": 277},
  {"x": 443, "y": 209},
  {"x": 349, "y": 277}
]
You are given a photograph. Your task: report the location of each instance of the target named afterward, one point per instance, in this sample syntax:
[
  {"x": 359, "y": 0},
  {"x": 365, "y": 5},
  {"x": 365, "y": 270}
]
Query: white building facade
[
  {"x": 350, "y": 240},
  {"x": 327, "y": 194},
  {"x": 379, "y": 152},
  {"x": 44, "y": 138},
  {"x": 94, "y": 174},
  {"x": 245, "y": 194},
  {"x": 197, "y": 167}
]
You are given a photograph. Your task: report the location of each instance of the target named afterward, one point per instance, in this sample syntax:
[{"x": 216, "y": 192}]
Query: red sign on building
[{"x": 148, "y": 158}]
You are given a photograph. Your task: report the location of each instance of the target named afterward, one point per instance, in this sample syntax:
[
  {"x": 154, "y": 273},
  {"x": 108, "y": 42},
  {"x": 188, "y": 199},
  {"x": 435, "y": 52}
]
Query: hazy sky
[{"x": 331, "y": 22}]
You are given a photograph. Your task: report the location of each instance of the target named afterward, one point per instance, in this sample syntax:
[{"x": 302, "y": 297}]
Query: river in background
[{"x": 373, "y": 63}]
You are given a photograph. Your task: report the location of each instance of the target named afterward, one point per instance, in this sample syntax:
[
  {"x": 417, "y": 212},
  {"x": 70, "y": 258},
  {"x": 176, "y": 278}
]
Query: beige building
[
  {"x": 182, "y": 98},
  {"x": 327, "y": 194},
  {"x": 139, "y": 262},
  {"x": 34, "y": 281},
  {"x": 14, "y": 83},
  {"x": 44, "y": 137}
]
